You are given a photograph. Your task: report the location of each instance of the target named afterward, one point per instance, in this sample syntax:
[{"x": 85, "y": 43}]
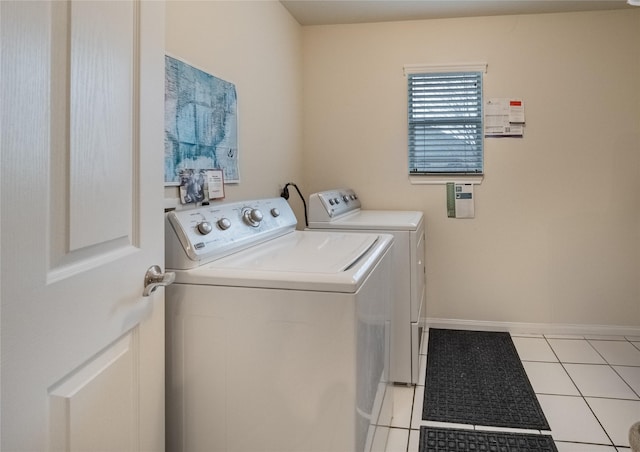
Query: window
[{"x": 445, "y": 122}]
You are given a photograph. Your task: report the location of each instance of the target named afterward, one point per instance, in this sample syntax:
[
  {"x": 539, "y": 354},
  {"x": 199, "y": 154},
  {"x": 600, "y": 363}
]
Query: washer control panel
[
  {"x": 327, "y": 205},
  {"x": 197, "y": 236}
]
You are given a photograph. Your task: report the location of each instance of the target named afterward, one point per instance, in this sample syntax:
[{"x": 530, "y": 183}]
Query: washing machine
[
  {"x": 276, "y": 339},
  {"x": 341, "y": 210}
]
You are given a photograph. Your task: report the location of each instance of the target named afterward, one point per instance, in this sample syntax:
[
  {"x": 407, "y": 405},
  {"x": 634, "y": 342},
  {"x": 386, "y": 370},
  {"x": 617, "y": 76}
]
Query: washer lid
[
  {"x": 312, "y": 252},
  {"x": 393, "y": 220},
  {"x": 303, "y": 260}
]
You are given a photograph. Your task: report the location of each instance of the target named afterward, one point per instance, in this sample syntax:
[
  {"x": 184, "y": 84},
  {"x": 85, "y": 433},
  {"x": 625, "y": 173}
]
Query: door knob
[{"x": 155, "y": 278}]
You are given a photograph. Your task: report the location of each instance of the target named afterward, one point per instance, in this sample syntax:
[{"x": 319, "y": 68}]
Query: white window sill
[{"x": 441, "y": 180}]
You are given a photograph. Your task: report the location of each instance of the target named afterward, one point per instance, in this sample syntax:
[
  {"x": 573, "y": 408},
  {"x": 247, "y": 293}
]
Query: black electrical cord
[{"x": 285, "y": 195}]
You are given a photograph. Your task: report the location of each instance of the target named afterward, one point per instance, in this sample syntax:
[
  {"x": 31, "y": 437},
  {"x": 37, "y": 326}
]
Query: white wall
[
  {"x": 257, "y": 46},
  {"x": 556, "y": 238}
]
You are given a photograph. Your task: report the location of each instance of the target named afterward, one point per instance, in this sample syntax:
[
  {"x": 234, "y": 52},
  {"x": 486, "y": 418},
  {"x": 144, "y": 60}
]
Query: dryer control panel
[
  {"x": 196, "y": 236},
  {"x": 327, "y": 205}
]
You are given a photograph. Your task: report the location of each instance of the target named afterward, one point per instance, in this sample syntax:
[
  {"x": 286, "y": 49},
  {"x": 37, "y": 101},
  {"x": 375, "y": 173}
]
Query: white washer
[
  {"x": 340, "y": 210},
  {"x": 276, "y": 339}
]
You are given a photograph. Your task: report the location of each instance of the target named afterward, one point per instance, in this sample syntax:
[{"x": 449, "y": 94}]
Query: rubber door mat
[
  {"x": 476, "y": 377},
  {"x": 454, "y": 440}
]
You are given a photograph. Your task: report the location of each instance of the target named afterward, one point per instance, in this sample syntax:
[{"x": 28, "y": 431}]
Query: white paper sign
[
  {"x": 516, "y": 111},
  {"x": 503, "y": 117},
  {"x": 215, "y": 181},
  {"x": 465, "y": 207}
]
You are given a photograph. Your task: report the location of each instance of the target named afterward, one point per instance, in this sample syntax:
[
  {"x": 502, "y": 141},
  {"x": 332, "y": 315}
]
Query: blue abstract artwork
[{"x": 200, "y": 123}]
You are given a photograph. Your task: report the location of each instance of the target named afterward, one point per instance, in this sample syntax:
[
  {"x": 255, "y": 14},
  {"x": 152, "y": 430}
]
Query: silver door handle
[{"x": 155, "y": 278}]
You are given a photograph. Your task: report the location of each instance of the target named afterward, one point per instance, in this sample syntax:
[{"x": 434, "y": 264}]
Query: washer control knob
[
  {"x": 275, "y": 212},
  {"x": 255, "y": 215},
  {"x": 252, "y": 217},
  {"x": 204, "y": 227},
  {"x": 224, "y": 223},
  {"x": 346, "y": 198}
]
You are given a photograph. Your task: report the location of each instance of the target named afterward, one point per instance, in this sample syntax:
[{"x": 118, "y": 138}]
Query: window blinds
[{"x": 445, "y": 123}]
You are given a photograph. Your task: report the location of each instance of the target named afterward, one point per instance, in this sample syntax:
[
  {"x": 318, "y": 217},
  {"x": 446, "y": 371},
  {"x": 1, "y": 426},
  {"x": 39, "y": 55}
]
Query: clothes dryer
[
  {"x": 341, "y": 210},
  {"x": 276, "y": 339}
]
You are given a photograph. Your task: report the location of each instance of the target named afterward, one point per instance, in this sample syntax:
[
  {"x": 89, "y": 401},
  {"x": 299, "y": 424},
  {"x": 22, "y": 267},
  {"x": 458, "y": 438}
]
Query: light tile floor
[{"x": 588, "y": 387}]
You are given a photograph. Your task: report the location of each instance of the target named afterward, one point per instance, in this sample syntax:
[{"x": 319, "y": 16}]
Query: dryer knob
[
  {"x": 204, "y": 227},
  {"x": 275, "y": 212}
]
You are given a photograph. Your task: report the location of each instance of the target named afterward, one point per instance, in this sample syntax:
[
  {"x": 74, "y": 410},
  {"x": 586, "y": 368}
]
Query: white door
[{"x": 82, "y": 364}]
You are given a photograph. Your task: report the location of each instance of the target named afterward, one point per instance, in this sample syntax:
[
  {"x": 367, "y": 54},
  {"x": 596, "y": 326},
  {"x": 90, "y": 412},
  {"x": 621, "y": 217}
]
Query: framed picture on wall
[{"x": 192, "y": 186}]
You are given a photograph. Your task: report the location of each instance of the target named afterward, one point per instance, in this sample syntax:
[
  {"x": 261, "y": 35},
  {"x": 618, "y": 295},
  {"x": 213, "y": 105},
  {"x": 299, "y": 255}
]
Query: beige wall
[
  {"x": 257, "y": 46},
  {"x": 556, "y": 238}
]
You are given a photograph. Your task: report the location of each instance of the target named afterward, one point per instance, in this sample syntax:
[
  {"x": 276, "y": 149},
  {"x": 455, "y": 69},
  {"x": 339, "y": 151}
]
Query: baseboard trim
[{"x": 534, "y": 328}]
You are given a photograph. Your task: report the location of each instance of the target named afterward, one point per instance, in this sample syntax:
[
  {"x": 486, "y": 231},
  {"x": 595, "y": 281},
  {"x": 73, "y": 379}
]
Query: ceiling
[{"x": 328, "y": 12}]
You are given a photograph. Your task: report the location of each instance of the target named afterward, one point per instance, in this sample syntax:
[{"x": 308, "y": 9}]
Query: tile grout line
[
  {"x": 623, "y": 380},
  {"x": 637, "y": 393},
  {"x": 578, "y": 389}
]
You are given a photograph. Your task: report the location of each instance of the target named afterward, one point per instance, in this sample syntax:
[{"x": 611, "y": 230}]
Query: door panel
[
  {"x": 94, "y": 137},
  {"x": 102, "y": 120},
  {"x": 104, "y": 388},
  {"x": 81, "y": 220}
]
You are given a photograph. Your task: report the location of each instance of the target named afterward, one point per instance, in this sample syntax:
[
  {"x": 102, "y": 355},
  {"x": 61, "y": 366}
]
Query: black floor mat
[
  {"x": 476, "y": 377},
  {"x": 454, "y": 440}
]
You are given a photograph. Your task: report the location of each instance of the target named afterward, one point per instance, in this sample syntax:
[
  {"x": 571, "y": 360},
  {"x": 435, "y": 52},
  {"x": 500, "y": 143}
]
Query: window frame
[{"x": 438, "y": 177}]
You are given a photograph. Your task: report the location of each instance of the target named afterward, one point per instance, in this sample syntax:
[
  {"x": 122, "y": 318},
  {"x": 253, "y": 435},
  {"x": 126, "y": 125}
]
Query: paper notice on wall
[
  {"x": 460, "y": 203},
  {"x": 504, "y": 117},
  {"x": 516, "y": 111},
  {"x": 215, "y": 182}
]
